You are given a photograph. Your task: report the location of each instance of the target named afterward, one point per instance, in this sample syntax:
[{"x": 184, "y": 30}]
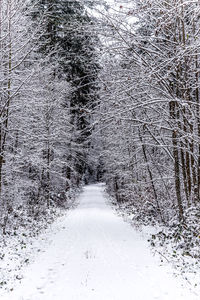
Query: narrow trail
[{"x": 97, "y": 256}]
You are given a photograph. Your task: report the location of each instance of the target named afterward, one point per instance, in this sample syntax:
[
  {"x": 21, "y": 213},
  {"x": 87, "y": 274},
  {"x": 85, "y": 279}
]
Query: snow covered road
[{"x": 97, "y": 256}]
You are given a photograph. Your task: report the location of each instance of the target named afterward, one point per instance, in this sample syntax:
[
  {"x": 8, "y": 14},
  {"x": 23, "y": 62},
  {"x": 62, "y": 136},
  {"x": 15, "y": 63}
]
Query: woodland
[{"x": 101, "y": 91}]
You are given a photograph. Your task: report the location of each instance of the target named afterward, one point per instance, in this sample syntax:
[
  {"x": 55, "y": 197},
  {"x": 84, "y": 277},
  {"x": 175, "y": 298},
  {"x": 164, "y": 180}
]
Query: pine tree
[{"x": 69, "y": 40}]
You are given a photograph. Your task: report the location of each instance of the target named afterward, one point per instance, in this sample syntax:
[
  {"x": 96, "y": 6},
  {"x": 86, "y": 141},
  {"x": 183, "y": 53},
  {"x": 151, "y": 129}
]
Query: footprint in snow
[
  {"x": 88, "y": 254},
  {"x": 51, "y": 270}
]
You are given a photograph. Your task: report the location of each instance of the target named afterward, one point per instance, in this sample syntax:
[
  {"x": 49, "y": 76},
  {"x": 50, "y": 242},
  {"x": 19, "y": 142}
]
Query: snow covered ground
[{"x": 92, "y": 254}]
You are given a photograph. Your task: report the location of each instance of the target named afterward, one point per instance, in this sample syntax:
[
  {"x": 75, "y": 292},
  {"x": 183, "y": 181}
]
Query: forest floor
[{"x": 92, "y": 254}]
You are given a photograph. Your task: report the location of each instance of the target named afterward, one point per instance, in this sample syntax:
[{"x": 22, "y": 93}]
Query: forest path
[{"x": 96, "y": 255}]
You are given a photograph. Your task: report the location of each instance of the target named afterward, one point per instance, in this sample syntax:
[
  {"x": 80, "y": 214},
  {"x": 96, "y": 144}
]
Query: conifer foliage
[{"x": 69, "y": 41}]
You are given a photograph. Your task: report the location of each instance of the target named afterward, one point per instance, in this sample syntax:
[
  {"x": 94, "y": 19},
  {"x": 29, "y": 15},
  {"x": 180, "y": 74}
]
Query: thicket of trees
[
  {"x": 47, "y": 72},
  {"x": 133, "y": 121},
  {"x": 149, "y": 110}
]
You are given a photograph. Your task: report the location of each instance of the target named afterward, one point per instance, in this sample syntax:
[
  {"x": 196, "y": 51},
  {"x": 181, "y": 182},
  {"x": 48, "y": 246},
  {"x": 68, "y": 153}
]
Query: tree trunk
[{"x": 176, "y": 160}]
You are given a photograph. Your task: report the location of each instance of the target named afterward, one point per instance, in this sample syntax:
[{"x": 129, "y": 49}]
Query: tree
[
  {"x": 67, "y": 28},
  {"x": 16, "y": 45}
]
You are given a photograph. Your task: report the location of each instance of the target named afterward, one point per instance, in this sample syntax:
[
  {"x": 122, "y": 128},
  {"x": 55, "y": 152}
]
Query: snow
[{"x": 93, "y": 254}]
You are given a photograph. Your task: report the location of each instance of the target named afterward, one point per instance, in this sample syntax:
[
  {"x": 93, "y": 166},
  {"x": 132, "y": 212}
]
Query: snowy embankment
[
  {"x": 177, "y": 245},
  {"x": 93, "y": 254},
  {"x": 25, "y": 236}
]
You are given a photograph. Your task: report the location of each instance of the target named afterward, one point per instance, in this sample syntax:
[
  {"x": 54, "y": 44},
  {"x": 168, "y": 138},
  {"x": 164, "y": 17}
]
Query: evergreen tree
[{"x": 69, "y": 40}]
